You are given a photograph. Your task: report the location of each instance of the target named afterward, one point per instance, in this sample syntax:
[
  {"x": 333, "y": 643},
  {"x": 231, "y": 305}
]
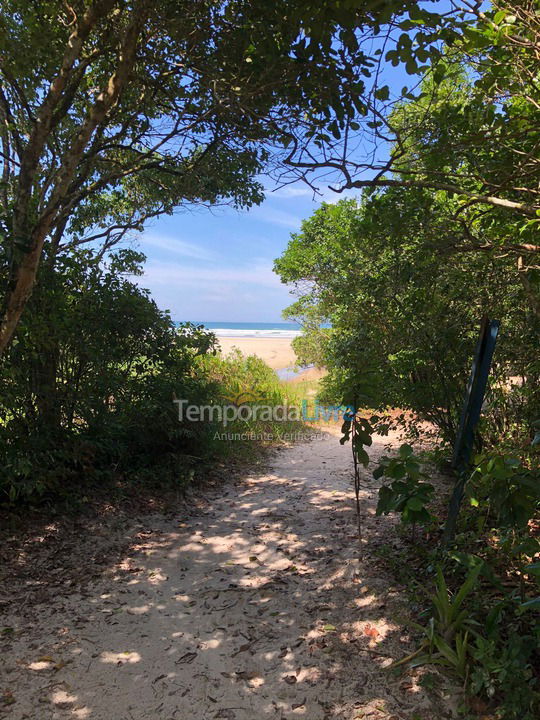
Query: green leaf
[
  {"x": 362, "y": 456},
  {"x": 533, "y": 603},
  {"x": 439, "y": 72},
  {"x": 363, "y": 438},
  {"x": 415, "y": 503},
  {"x": 385, "y": 503},
  {"x": 411, "y": 66},
  {"x": 382, "y": 93},
  {"x": 405, "y": 451},
  {"x": 467, "y": 586}
]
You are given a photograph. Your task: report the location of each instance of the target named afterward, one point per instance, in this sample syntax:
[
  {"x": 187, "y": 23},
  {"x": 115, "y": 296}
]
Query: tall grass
[{"x": 247, "y": 381}]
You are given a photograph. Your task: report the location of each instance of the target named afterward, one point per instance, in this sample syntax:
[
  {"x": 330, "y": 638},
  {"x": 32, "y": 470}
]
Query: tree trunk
[
  {"x": 26, "y": 271},
  {"x": 530, "y": 291},
  {"x": 17, "y": 298}
]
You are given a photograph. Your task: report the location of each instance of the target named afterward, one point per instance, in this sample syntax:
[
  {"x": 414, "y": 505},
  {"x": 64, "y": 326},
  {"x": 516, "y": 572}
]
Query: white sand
[
  {"x": 276, "y": 352},
  {"x": 251, "y": 605}
]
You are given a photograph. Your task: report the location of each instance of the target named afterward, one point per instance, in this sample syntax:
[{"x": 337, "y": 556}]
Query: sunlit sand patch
[
  {"x": 253, "y": 679},
  {"x": 133, "y": 581},
  {"x": 138, "y": 610},
  {"x": 62, "y": 698},
  {"x": 253, "y": 581},
  {"x": 364, "y": 601},
  {"x": 375, "y": 631},
  {"x": 155, "y": 577},
  {"x": 81, "y": 713},
  {"x": 116, "y": 658},
  {"x": 254, "y": 642},
  {"x": 41, "y": 664}
]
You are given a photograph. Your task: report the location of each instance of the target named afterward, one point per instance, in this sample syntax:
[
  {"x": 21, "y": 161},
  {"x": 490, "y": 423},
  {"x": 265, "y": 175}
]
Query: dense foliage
[
  {"x": 403, "y": 274},
  {"x": 130, "y": 110},
  {"x": 482, "y": 146},
  {"x": 90, "y": 382},
  {"x": 405, "y": 315}
]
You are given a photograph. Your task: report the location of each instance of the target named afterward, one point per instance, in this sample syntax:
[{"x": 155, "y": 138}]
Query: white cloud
[
  {"x": 174, "y": 274},
  {"x": 323, "y": 193},
  {"x": 176, "y": 246},
  {"x": 276, "y": 217},
  {"x": 332, "y": 197},
  {"x": 245, "y": 293},
  {"x": 291, "y": 192}
]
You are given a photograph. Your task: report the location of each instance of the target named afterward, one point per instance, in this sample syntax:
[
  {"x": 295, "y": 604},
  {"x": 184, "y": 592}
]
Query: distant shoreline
[
  {"x": 236, "y": 334},
  {"x": 240, "y": 330},
  {"x": 277, "y": 353}
]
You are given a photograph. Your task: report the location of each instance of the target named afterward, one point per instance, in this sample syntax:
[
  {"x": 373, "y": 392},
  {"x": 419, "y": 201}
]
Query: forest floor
[{"x": 252, "y": 601}]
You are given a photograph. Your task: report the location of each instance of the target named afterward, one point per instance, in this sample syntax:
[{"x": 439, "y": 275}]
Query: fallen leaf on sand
[
  {"x": 189, "y": 657},
  {"x": 247, "y": 674},
  {"x": 371, "y": 631},
  {"x": 8, "y": 698}
]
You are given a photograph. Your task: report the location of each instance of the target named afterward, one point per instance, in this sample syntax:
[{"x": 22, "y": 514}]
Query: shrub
[
  {"x": 90, "y": 384},
  {"x": 407, "y": 494}
]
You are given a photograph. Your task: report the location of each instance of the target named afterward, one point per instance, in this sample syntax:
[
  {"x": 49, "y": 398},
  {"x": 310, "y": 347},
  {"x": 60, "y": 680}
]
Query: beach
[{"x": 276, "y": 352}]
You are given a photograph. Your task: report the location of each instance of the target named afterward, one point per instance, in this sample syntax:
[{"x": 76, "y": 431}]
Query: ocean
[{"x": 253, "y": 329}]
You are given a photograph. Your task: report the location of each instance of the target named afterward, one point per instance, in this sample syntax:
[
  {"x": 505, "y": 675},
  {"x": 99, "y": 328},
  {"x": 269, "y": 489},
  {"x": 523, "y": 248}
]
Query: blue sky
[{"x": 216, "y": 265}]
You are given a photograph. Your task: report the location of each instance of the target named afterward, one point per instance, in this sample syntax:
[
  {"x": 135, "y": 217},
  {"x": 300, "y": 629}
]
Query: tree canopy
[
  {"x": 490, "y": 140},
  {"x": 130, "y": 110}
]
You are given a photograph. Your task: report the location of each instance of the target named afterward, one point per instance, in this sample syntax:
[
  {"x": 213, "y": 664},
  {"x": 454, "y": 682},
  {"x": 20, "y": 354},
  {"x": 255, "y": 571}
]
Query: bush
[
  {"x": 407, "y": 494},
  {"x": 488, "y": 645},
  {"x": 405, "y": 317},
  {"x": 90, "y": 383},
  {"x": 242, "y": 380}
]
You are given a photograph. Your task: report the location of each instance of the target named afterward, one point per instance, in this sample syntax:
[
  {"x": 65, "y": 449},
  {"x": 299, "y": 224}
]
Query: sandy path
[{"x": 254, "y": 607}]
